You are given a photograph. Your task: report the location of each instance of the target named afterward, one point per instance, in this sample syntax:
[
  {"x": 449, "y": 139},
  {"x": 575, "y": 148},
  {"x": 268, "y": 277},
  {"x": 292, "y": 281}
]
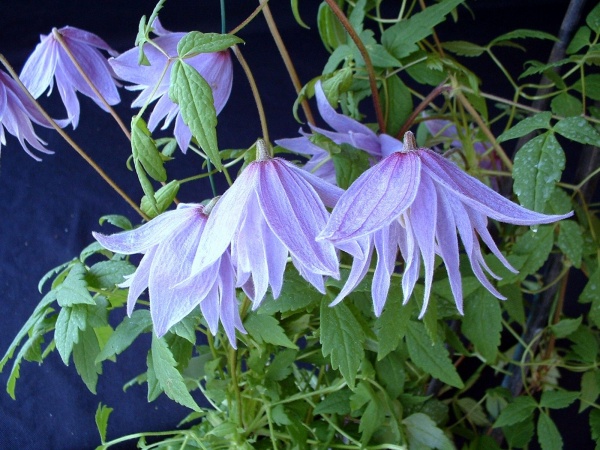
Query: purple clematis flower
[
  {"x": 169, "y": 244},
  {"x": 153, "y": 81},
  {"x": 50, "y": 61},
  {"x": 416, "y": 200},
  {"x": 347, "y": 131},
  {"x": 272, "y": 210},
  {"x": 16, "y": 114}
]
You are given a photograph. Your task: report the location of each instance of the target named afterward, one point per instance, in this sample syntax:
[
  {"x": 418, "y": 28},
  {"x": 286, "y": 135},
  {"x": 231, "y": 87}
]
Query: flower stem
[
  {"x": 255, "y": 93},
  {"x": 70, "y": 141},
  {"x": 365, "y": 55},
  {"x": 286, "y": 59},
  {"x": 248, "y": 19},
  {"x": 443, "y": 87},
  {"x": 87, "y": 79}
]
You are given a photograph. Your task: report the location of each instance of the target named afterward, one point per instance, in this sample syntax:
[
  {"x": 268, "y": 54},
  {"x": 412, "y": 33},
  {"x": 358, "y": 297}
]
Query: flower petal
[
  {"x": 386, "y": 244},
  {"x": 139, "y": 280}
]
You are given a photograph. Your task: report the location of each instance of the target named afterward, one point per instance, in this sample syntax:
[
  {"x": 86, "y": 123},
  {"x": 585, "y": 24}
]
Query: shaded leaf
[
  {"x": 73, "y": 290},
  {"x": 548, "y": 435},
  {"x": 125, "y": 333},
  {"x": 421, "y": 429},
  {"x": 579, "y": 130},
  {"x": 463, "y": 48},
  {"x": 482, "y": 323},
  {"x": 558, "y": 399},
  {"x": 517, "y": 411},
  {"x": 84, "y": 356},
  {"x": 570, "y": 241},
  {"x": 265, "y": 328},
  {"x": 196, "y": 42},
  {"x": 526, "y": 126}
]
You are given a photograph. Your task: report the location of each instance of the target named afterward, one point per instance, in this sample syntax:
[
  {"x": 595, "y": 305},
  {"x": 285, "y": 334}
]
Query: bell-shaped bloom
[
  {"x": 17, "y": 112},
  {"x": 419, "y": 202},
  {"x": 153, "y": 80},
  {"x": 347, "y": 131},
  {"x": 272, "y": 211},
  {"x": 50, "y": 62},
  {"x": 169, "y": 243}
]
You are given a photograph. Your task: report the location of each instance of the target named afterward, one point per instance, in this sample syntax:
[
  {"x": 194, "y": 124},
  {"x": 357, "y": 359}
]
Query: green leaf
[
  {"x": 372, "y": 419},
  {"x": 162, "y": 199},
  {"x": 548, "y": 435},
  {"x": 84, "y": 356},
  {"x": 194, "y": 96},
  {"x": 592, "y": 288},
  {"x": 392, "y": 325},
  {"x": 125, "y": 333},
  {"x": 73, "y": 290},
  {"x": 335, "y": 403},
  {"x": 422, "y": 430},
  {"x": 296, "y": 13},
  {"x": 390, "y": 372},
  {"x": 168, "y": 377},
  {"x": 297, "y": 294},
  {"x": 530, "y": 252},
  {"x": 538, "y": 166},
  {"x": 282, "y": 365},
  {"x": 482, "y": 323},
  {"x": 349, "y": 164},
  {"x": 331, "y": 30},
  {"x": 519, "y": 434},
  {"x": 579, "y": 130},
  {"x": 570, "y": 241},
  {"x": 558, "y": 399},
  {"x": 585, "y": 344},
  {"x": 117, "y": 220},
  {"x": 595, "y": 424},
  {"x": 522, "y": 34},
  {"x": 398, "y": 104},
  {"x": 401, "y": 38},
  {"x": 463, "y": 48},
  {"x": 526, "y": 126},
  {"x": 145, "y": 151},
  {"x": 264, "y": 328},
  {"x": 432, "y": 358},
  {"x": 107, "y": 274},
  {"x": 590, "y": 86},
  {"x": 517, "y": 411},
  {"x": 102, "y": 415},
  {"x": 70, "y": 321},
  {"x": 342, "y": 339},
  {"x": 196, "y": 42},
  {"x": 566, "y": 105},
  {"x": 565, "y": 327},
  {"x": 593, "y": 19},
  {"x": 581, "y": 39},
  {"x": 589, "y": 389}
]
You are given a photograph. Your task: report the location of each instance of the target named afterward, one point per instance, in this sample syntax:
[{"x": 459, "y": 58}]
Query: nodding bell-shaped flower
[
  {"x": 153, "y": 81},
  {"x": 51, "y": 62},
  {"x": 169, "y": 243},
  {"x": 17, "y": 112},
  {"x": 417, "y": 201},
  {"x": 272, "y": 211}
]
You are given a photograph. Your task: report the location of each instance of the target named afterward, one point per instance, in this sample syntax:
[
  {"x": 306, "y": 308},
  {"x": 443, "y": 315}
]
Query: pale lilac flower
[
  {"x": 273, "y": 210},
  {"x": 50, "y": 62},
  {"x": 347, "y": 131},
  {"x": 215, "y": 68},
  {"x": 416, "y": 200},
  {"x": 16, "y": 114},
  {"x": 169, "y": 243}
]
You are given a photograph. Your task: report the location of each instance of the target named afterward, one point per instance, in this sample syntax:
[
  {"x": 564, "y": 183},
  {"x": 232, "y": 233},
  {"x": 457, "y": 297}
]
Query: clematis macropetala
[
  {"x": 169, "y": 243},
  {"x": 415, "y": 200},
  {"x": 153, "y": 80},
  {"x": 50, "y": 62},
  {"x": 273, "y": 210}
]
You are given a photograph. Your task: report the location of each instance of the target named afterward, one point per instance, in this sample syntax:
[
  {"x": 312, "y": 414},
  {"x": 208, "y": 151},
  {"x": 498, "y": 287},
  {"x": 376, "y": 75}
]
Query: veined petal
[
  {"x": 210, "y": 308},
  {"x": 87, "y": 38},
  {"x": 217, "y": 69},
  {"x": 230, "y": 315},
  {"x": 39, "y": 68},
  {"x": 411, "y": 256},
  {"x": 329, "y": 193},
  {"x": 139, "y": 280},
  {"x": 375, "y": 199},
  {"x": 386, "y": 244},
  {"x": 478, "y": 196},
  {"x": 360, "y": 267}
]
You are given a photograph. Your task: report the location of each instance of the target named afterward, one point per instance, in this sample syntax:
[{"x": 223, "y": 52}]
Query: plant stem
[
  {"x": 365, "y": 55},
  {"x": 70, "y": 141},
  {"x": 286, "y": 59},
  {"x": 248, "y": 19},
  {"x": 443, "y": 87}
]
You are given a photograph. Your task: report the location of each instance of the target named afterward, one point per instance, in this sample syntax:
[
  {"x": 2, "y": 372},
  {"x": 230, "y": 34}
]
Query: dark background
[{"x": 48, "y": 209}]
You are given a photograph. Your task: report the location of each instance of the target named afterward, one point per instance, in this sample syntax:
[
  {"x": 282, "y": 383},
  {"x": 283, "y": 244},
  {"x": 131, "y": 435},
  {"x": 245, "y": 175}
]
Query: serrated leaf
[
  {"x": 107, "y": 274},
  {"x": 565, "y": 327},
  {"x": 51, "y": 273},
  {"x": 581, "y": 39},
  {"x": 401, "y": 38},
  {"x": 372, "y": 419},
  {"x": 530, "y": 252},
  {"x": 579, "y": 130},
  {"x": 517, "y": 411},
  {"x": 595, "y": 423},
  {"x": 102, "y": 415},
  {"x": 391, "y": 326},
  {"x": 399, "y": 104},
  {"x": 422, "y": 430},
  {"x": 335, "y": 403},
  {"x": 482, "y": 323},
  {"x": 73, "y": 290},
  {"x": 548, "y": 435},
  {"x": 162, "y": 199},
  {"x": 591, "y": 291},
  {"x": 473, "y": 411},
  {"x": 570, "y": 241},
  {"x": 297, "y": 294},
  {"x": 526, "y": 126},
  {"x": 125, "y": 333},
  {"x": 117, "y": 220},
  {"x": 566, "y": 105},
  {"x": 593, "y": 19},
  {"x": 390, "y": 372},
  {"x": 432, "y": 358},
  {"x": 585, "y": 344},
  {"x": 168, "y": 377},
  {"x": 70, "y": 322},
  {"x": 519, "y": 434},
  {"x": 557, "y": 399},
  {"x": 463, "y": 48},
  {"x": 590, "y": 86},
  {"x": 265, "y": 328},
  {"x": 282, "y": 365},
  {"x": 589, "y": 389},
  {"x": 342, "y": 339},
  {"x": 84, "y": 356},
  {"x": 196, "y": 42},
  {"x": 195, "y": 99},
  {"x": 349, "y": 164},
  {"x": 522, "y": 34},
  {"x": 145, "y": 151},
  {"x": 537, "y": 167}
]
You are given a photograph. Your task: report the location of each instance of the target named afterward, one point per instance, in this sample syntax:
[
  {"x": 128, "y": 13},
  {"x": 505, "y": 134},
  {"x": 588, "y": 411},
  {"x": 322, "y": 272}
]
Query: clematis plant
[{"x": 350, "y": 287}]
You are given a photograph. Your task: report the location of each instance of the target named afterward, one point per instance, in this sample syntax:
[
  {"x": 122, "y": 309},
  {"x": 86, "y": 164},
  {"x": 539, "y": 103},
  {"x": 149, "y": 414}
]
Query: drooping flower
[
  {"x": 50, "y": 62},
  {"x": 17, "y": 113},
  {"x": 347, "y": 131},
  {"x": 416, "y": 200},
  {"x": 153, "y": 80},
  {"x": 273, "y": 210},
  {"x": 169, "y": 243}
]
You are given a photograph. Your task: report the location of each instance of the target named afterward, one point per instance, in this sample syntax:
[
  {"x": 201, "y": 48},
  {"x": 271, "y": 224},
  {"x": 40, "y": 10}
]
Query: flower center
[{"x": 410, "y": 142}]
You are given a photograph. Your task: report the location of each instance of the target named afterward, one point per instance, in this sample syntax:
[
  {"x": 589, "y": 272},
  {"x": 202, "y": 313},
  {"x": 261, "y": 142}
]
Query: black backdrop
[{"x": 48, "y": 209}]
